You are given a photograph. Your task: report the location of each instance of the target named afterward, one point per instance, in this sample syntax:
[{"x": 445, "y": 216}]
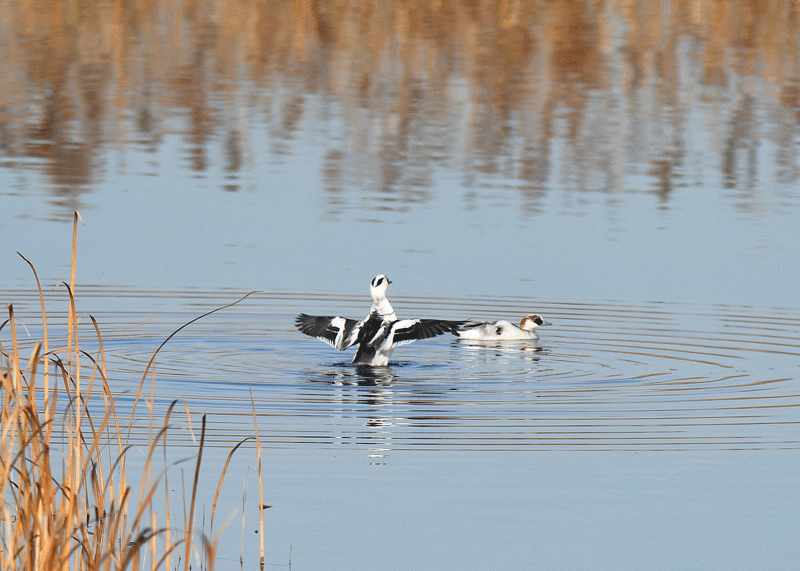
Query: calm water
[{"x": 631, "y": 172}]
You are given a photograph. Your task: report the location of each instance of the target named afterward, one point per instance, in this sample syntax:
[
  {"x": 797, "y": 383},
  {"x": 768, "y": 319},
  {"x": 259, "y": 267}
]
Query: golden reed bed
[{"x": 67, "y": 503}]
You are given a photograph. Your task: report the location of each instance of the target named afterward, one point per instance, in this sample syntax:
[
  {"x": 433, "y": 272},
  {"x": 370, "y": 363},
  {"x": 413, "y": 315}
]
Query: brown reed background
[{"x": 479, "y": 86}]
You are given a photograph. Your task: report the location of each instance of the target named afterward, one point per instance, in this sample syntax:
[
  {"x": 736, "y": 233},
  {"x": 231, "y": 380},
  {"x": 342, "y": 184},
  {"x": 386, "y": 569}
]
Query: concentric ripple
[{"x": 606, "y": 375}]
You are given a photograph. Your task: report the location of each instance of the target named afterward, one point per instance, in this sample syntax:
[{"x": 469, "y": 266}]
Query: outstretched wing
[
  {"x": 338, "y": 332},
  {"x": 410, "y": 330}
]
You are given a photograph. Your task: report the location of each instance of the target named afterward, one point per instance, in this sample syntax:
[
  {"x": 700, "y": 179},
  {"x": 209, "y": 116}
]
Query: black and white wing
[
  {"x": 338, "y": 332},
  {"x": 410, "y": 330}
]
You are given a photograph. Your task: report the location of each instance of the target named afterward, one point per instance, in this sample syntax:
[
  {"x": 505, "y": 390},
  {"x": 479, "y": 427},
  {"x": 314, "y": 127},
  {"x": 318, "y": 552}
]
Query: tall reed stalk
[{"x": 66, "y": 501}]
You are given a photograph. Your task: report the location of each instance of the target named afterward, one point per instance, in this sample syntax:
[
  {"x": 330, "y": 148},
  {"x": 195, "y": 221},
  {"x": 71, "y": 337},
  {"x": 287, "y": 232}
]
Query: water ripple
[{"x": 609, "y": 375}]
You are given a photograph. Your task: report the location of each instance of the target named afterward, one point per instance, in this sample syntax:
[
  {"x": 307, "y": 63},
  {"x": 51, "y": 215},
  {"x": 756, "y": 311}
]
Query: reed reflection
[{"x": 541, "y": 96}]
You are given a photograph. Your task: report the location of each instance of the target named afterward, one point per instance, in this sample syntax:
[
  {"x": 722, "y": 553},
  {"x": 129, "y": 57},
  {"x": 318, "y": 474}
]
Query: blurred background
[{"x": 643, "y": 150}]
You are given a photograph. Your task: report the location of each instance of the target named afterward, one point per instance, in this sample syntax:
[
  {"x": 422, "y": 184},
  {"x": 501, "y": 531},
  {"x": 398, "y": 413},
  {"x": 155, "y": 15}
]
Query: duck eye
[
  {"x": 538, "y": 320},
  {"x": 380, "y": 280}
]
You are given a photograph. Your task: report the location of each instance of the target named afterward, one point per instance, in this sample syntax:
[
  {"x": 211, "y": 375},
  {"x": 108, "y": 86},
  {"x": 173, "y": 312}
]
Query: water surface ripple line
[{"x": 604, "y": 376}]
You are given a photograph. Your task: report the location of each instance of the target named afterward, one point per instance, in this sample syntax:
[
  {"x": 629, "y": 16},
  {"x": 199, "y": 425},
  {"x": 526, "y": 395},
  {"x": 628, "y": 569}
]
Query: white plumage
[{"x": 502, "y": 330}]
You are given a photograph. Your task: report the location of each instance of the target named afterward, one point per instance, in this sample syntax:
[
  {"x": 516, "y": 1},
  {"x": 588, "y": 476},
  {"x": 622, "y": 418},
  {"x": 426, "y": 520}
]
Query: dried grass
[{"x": 66, "y": 500}]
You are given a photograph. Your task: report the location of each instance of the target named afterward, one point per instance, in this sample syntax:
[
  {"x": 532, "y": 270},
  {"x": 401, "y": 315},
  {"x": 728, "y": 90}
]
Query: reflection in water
[
  {"x": 360, "y": 375},
  {"x": 528, "y": 350},
  {"x": 563, "y": 94}
]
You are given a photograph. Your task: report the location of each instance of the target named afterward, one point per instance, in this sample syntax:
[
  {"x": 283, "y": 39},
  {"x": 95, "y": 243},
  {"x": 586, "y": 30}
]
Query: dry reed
[{"x": 66, "y": 501}]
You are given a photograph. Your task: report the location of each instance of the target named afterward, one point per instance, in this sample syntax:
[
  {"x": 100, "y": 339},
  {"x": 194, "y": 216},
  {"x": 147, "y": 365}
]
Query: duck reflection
[
  {"x": 472, "y": 348},
  {"x": 363, "y": 398},
  {"x": 361, "y": 375}
]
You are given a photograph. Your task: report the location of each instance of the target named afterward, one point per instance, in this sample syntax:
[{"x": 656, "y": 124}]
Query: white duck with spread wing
[{"x": 379, "y": 333}]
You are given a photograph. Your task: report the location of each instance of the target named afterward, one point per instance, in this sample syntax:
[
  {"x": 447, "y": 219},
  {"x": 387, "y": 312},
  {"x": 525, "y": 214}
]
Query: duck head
[
  {"x": 378, "y": 286},
  {"x": 532, "y": 321}
]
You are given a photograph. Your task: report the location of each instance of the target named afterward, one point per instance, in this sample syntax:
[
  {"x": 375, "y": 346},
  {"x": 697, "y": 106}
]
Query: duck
[
  {"x": 502, "y": 330},
  {"x": 377, "y": 335}
]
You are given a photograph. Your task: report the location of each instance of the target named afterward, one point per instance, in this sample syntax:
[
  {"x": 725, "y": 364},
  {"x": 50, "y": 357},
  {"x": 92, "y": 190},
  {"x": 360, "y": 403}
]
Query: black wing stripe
[
  {"x": 316, "y": 326},
  {"x": 425, "y": 329},
  {"x": 320, "y": 326}
]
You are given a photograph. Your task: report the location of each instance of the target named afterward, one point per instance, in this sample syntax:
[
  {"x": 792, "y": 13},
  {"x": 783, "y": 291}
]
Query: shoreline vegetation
[{"x": 68, "y": 494}]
